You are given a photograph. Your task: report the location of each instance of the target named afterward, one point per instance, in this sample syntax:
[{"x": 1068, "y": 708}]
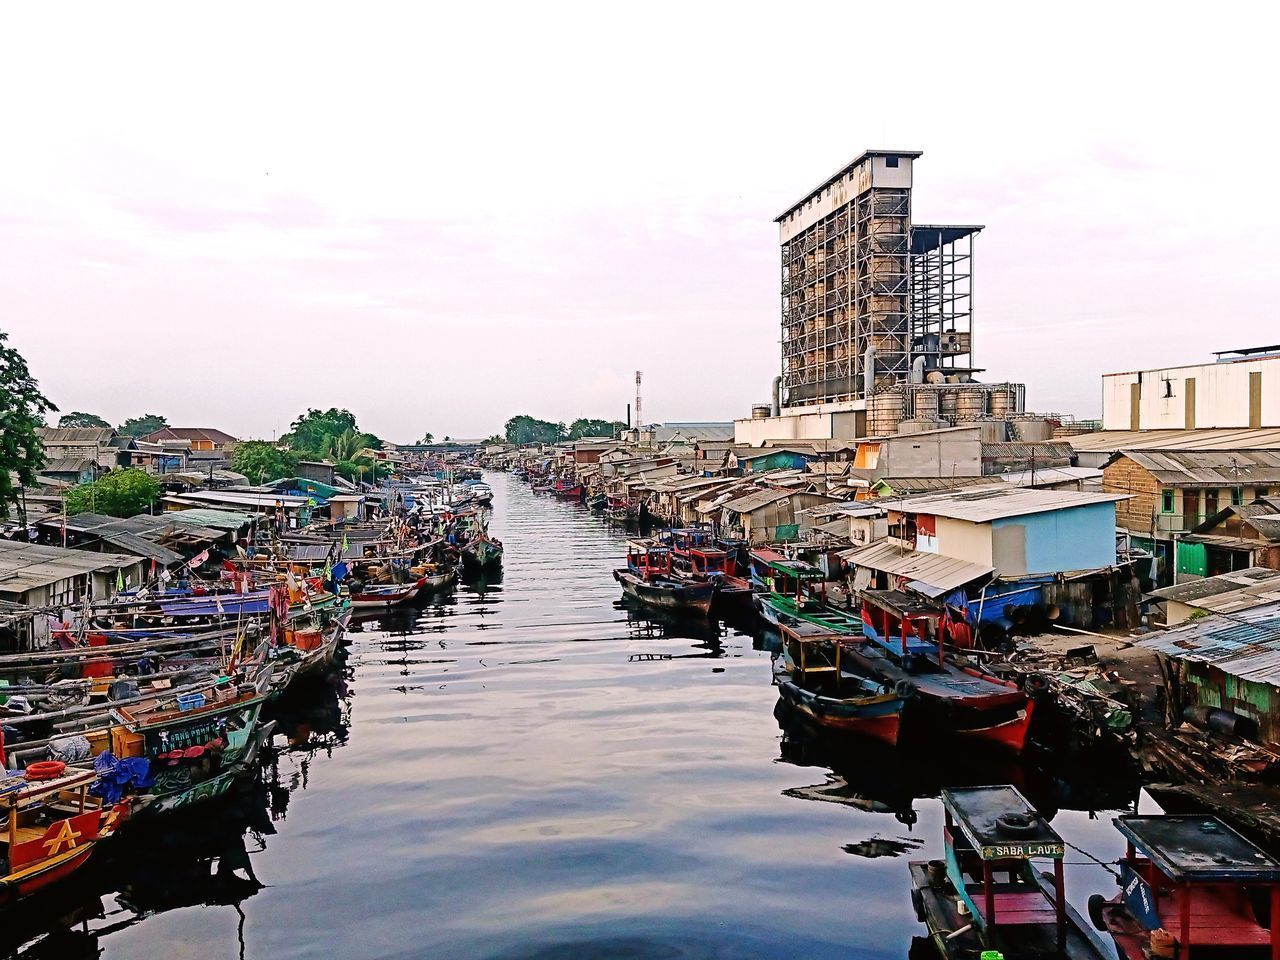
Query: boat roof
[
  {"x": 977, "y": 811},
  {"x": 1198, "y": 849},
  {"x": 792, "y": 568},
  {"x": 807, "y": 630}
]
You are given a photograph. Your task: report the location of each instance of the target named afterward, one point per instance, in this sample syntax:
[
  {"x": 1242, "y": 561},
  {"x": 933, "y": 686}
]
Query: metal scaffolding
[{"x": 942, "y": 297}]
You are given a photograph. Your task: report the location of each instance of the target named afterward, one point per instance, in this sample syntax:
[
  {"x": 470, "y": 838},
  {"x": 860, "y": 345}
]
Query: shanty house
[
  {"x": 763, "y": 460},
  {"x": 40, "y": 576},
  {"x": 1229, "y": 663},
  {"x": 1227, "y": 593},
  {"x": 71, "y": 470},
  {"x": 101, "y": 445},
  {"x": 1170, "y": 493},
  {"x": 197, "y": 439},
  {"x": 1236, "y": 538},
  {"x": 767, "y": 516}
]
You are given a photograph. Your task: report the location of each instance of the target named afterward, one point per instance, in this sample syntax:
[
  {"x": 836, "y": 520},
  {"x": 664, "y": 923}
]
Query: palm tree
[
  {"x": 346, "y": 445},
  {"x": 428, "y": 437}
]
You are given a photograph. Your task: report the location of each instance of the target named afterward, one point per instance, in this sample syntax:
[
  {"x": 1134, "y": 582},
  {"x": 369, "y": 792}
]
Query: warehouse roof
[
  {"x": 984, "y": 504},
  {"x": 217, "y": 519},
  {"x": 1218, "y": 438},
  {"x": 1207, "y": 468},
  {"x": 757, "y": 499},
  {"x": 941, "y": 573},
  {"x": 189, "y": 433},
  {"x": 1245, "y": 645},
  {"x": 28, "y": 566}
]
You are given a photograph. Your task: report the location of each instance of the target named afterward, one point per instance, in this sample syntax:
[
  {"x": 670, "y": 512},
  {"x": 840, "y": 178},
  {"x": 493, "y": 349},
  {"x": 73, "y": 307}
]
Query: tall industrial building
[{"x": 866, "y": 293}]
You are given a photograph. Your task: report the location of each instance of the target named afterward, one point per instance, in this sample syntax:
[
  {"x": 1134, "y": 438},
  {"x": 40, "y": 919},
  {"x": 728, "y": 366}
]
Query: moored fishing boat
[
  {"x": 951, "y": 696},
  {"x": 992, "y": 831},
  {"x": 52, "y": 825},
  {"x": 814, "y": 683},
  {"x": 648, "y": 579},
  {"x": 382, "y": 596},
  {"x": 1191, "y": 886},
  {"x": 483, "y": 553}
]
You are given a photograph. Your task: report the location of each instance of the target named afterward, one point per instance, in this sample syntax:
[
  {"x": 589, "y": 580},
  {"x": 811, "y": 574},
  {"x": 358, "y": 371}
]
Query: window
[
  {"x": 1166, "y": 501},
  {"x": 890, "y": 161},
  {"x": 1259, "y": 492},
  {"x": 1210, "y": 503},
  {"x": 1237, "y": 496}
]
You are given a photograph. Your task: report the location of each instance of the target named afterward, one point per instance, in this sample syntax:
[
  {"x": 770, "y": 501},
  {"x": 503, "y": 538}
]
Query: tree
[
  {"x": 427, "y": 437},
  {"x": 141, "y": 426},
  {"x": 583, "y": 427},
  {"x": 120, "y": 493},
  {"x": 347, "y": 445},
  {"x": 22, "y": 409},
  {"x": 313, "y": 432},
  {"x": 78, "y": 419},
  {"x": 261, "y": 461},
  {"x": 524, "y": 429}
]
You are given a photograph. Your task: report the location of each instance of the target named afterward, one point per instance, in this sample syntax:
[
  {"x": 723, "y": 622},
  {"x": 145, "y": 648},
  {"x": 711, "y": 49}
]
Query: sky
[{"x": 440, "y": 216}]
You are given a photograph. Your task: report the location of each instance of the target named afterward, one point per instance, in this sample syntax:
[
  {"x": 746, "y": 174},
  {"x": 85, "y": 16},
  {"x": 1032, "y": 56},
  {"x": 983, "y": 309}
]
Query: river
[{"x": 527, "y": 769}]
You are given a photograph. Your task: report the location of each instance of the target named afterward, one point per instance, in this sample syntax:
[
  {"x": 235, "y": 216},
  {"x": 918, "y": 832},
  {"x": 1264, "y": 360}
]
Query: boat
[
  {"x": 303, "y": 650},
  {"x": 1191, "y": 887},
  {"x": 481, "y": 554},
  {"x": 951, "y": 696},
  {"x": 783, "y": 594},
  {"x": 568, "y": 490},
  {"x": 52, "y": 825},
  {"x": 712, "y": 564},
  {"x": 648, "y": 579},
  {"x": 814, "y": 683},
  {"x": 197, "y": 743},
  {"x": 381, "y": 596},
  {"x": 1020, "y": 913}
]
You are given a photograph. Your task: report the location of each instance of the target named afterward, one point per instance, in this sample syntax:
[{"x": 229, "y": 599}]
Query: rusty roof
[{"x": 1245, "y": 645}]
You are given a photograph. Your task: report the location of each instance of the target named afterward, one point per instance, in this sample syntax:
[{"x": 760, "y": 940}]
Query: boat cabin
[
  {"x": 902, "y": 624},
  {"x": 782, "y": 575},
  {"x": 992, "y": 835},
  {"x": 708, "y": 562},
  {"x": 648, "y": 558},
  {"x": 1197, "y": 879}
]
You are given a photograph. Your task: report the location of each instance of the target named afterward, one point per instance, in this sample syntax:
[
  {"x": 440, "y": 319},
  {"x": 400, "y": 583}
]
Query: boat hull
[
  {"x": 874, "y": 716},
  {"x": 666, "y": 594}
]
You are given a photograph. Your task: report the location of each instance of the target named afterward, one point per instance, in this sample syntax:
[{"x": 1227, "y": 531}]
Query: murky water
[{"x": 511, "y": 773}]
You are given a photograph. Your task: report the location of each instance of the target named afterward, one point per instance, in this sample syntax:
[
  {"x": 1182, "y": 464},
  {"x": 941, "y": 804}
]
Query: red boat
[
  {"x": 903, "y": 650},
  {"x": 1191, "y": 887},
  {"x": 53, "y": 825},
  {"x": 567, "y": 490}
]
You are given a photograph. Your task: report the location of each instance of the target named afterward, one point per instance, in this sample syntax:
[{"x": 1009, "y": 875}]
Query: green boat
[{"x": 784, "y": 598}]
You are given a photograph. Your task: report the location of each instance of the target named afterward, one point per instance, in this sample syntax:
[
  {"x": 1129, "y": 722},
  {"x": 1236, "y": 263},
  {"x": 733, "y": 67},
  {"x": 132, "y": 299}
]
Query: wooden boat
[
  {"x": 648, "y": 579},
  {"x": 51, "y": 828},
  {"x": 783, "y": 594},
  {"x": 814, "y": 684},
  {"x": 949, "y": 697},
  {"x": 1191, "y": 887},
  {"x": 989, "y": 831},
  {"x": 303, "y": 650},
  {"x": 198, "y": 744},
  {"x": 481, "y": 554},
  {"x": 382, "y": 596},
  {"x": 568, "y": 490}
]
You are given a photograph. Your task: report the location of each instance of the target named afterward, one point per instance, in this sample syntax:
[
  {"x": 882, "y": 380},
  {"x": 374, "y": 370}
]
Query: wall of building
[
  {"x": 1056, "y": 541},
  {"x": 947, "y": 454},
  {"x": 819, "y": 421},
  {"x": 1203, "y": 396},
  {"x": 960, "y": 539},
  {"x": 873, "y": 171}
]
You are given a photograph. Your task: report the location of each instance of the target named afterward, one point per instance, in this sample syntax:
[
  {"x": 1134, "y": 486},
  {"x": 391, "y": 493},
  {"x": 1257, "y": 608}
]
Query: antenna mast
[{"x": 639, "y": 419}]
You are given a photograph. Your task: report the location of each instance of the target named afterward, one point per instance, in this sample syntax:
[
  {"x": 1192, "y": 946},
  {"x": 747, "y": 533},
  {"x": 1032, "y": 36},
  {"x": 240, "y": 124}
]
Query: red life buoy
[{"x": 44, "y": 770}]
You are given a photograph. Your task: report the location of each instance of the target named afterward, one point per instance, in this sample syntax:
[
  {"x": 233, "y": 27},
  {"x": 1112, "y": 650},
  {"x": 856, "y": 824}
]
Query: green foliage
[
  {"x": 78, "y": 419},
  {"x": 22, "y": 409},
  {"x": 141, "y": 426},
  {"x": 261, "y": 461},
  {"x": 120, "y": 493},
  {"x": 524, "y": 429},
  {"x": 328, "y": 433},
  {"x": 362, "y": 470},
  {"x": 583, "y": 427},
  {"x": 427, "y": 437}
]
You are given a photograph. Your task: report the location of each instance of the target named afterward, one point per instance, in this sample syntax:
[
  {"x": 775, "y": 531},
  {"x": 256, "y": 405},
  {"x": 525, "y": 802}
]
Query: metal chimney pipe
[
  {"x": 777, "y": 396},
  {"x": 917, "y": 370},
  {"x": 869, "y": 371}
]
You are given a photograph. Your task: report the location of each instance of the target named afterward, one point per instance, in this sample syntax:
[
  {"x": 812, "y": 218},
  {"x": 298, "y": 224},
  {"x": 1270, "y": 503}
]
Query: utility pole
[{"x": 639, "y": 418}]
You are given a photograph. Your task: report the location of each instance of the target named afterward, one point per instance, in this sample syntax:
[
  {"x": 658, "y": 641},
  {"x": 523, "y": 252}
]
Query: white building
[{"x": 1240, "y": 390}]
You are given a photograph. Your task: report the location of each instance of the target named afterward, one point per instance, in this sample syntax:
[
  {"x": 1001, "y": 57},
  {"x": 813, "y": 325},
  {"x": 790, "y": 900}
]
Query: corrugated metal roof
[
  {"x": 1048, "y": 475},
  {"x": 1245, "y": 645},
  {"x": 944, "y": 573},
  {"x": 132, "y": 543},
  {"x": 217, "y": 519},
  {"x": 1229, "y": 438},
  {"x": 1212, "y": 586},
  {"x": 1208, "y": 468},
  {"x": 985, "y": 504},
  {"x": 925, "y": 484},
  {"x": 67, "y": 465},
  {"x": 757, "y": 499},
  {"x": 68, "y": 435},
  {"x": 28, "y": 566}
]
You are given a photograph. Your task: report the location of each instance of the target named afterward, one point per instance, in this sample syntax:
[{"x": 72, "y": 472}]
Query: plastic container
[{"x": 190, "y": 701}]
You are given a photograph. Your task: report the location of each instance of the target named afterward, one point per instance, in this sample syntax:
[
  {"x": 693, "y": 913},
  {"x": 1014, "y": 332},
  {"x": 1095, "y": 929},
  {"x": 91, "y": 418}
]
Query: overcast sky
[{"x": 441, "y": 216}]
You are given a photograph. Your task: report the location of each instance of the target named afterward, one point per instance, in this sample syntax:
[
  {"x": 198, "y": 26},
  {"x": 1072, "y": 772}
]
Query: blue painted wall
[
  {"x": 1077, "y": 538},
  {"x": 782, "y": 460}
]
